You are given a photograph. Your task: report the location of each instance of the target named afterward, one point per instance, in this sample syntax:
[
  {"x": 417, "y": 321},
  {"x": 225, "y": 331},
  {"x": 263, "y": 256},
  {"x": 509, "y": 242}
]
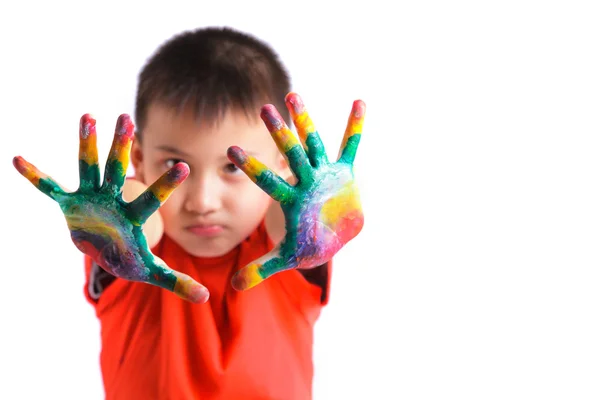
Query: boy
[{"x": 195, "y": 112}]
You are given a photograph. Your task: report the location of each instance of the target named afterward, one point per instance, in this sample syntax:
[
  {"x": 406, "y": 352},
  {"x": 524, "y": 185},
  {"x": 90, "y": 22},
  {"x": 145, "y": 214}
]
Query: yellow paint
[
  {"x": 285, "y": 139},
  {"x": 304, "y": 124},
  {"x": 250, "y": 276},
  {"x": 355, "y": 126},
  {"x": 252, "y": 167},
  {"x": 31, "y": 173},
  {"x": 121, "y": 150},
  {"x": 97, "y": 226},
  {"x": 88, "y": 150},
  {"x": 187, "y": 288},
  {"x": 162, "y": 191},
  {"x": 34, "y": 176},
  {"x": 123, "y": 154},
  {"x": 346, "y": 200}
]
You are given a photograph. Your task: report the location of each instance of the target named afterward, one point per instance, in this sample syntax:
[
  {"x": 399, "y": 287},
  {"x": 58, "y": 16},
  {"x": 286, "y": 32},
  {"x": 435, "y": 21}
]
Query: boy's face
[{"x": 217, "y": 206}]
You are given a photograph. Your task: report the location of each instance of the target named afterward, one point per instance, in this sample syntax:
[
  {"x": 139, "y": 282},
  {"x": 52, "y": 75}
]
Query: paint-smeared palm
[
  {"x": 102, "y": 224},
  {"x": 322, "y": 211}
]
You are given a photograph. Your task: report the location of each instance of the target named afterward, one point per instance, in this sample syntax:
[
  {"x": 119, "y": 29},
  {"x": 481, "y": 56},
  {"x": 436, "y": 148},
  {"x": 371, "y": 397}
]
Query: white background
[{"x": 477, "y": 275}]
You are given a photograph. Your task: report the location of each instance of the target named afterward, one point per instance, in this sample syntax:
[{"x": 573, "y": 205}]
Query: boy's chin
[{"x": 208, "y": 248}]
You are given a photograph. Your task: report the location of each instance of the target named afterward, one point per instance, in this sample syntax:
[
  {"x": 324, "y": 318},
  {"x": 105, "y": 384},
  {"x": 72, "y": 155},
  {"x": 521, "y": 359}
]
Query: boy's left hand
[{"x": 322, "y": 211}]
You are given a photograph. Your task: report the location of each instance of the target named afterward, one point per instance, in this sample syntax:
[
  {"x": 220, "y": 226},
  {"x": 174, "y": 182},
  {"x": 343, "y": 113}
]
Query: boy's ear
[{"x": 136, "y": 159}]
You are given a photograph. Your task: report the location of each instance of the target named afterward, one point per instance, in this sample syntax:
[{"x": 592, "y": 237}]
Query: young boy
[{"x": 197, "y": 103}]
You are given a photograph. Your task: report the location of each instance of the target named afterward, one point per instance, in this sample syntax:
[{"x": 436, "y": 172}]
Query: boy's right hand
[{"x": 102, "y": 224}]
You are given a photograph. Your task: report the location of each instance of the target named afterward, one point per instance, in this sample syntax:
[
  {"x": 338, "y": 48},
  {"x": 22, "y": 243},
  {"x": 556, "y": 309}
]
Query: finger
[
  {"x": 287, "y": 143},
  {"x": 89, "y": 172},
  {"x": 306, "y": 130},
  {"x": 353, "y": 133},
  {"x": 267, "y": 180},
  {"x": 118, "y": 158},
  {"x": 43, "y": 182},
  {"x": 259, "y": 270},
  {"x": 190, "y": 290},
  {"x": 156, "y": 194}
]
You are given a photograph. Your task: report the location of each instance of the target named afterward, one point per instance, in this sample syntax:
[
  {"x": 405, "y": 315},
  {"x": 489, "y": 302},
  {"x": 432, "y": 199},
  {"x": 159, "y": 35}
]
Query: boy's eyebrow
[
  {"x": 183, "y": 153},
  {"x": 248, "y": 152},
  {"x": 172, "y": 150}
]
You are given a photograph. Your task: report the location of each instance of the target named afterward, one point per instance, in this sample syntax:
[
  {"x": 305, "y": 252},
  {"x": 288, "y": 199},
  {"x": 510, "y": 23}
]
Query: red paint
[
  {"x": 296, "y": 102},
  {"x": 125, "y": 126},
  {"x": 178, "y": 173},
  {"x": 350, "y": 226},
  {"x": 21, "y": 165},
  {"x": 237, "y": 156},
  {"x": 271, "y": 118},
  {"x": 87, "y": 126},
  {"x": 358, "y": 109}
]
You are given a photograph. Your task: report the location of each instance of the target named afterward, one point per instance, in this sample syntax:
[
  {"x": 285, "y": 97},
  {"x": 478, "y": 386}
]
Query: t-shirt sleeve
[
  {"x": 321, "y": 277},
  {"x": 96, "y": 280}
]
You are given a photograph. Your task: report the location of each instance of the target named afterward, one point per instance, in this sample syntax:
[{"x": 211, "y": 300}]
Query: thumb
[
  {"x": 261, "y": 269},
  {"x": 177, "y": 282},
  {"x": 153, "y": 228},
  {"x": 190, "y": 290}
]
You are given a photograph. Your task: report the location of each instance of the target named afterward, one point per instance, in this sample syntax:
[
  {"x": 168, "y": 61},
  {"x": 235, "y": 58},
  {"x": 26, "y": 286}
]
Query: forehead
[{"x": 168, "y": 127}]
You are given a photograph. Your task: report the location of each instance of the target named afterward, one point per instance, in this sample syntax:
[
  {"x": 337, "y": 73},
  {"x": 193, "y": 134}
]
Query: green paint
[
  {"x": 114, "y": 175},
  {"x": 316, "y": 150},
  {"x": 275, "y": 186},
  {"x": 159, "y": 275},
  {"x": 271, "y": 267},
  {"x": 140, "y": 209},
  {"x": 89, "y": 176},
  {"x": 349, "y": 151},
  {"x": 50, "y": 188},
  {"x": 288, "y": 246},
  {"x": 299, "y": 162}
]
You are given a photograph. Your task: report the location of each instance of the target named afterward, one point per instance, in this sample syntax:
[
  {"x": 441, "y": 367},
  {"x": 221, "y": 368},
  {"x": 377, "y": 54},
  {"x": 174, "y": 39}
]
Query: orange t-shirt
[{"x": 249, "y": 345}]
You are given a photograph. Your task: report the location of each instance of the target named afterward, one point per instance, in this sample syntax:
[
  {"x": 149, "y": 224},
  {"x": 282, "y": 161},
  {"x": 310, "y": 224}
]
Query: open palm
[
  {"x": 102, "y": 224},
  {"x": 322, "y": 211}
]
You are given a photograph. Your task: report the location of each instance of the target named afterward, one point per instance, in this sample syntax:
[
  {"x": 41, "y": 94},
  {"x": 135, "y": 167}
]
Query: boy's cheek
[
  {"x": 169, "y": 210},
  {"x": 149, "y": 173}
]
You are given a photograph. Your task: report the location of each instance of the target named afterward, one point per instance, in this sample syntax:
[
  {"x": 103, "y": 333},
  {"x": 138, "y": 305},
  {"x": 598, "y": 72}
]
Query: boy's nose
[{"x": 203, "y": 199}]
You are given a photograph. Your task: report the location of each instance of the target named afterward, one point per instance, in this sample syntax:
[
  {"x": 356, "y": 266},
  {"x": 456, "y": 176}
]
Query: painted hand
[
  {"x": 102, "y": 224},
  {"x": 322, "y": 211}
]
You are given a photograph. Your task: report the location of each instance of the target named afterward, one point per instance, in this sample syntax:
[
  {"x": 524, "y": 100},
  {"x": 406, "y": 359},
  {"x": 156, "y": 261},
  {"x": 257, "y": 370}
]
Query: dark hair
[{"x": 212, "y": 70}]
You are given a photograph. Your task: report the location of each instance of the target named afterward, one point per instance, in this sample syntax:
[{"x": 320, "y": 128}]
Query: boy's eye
[
  {"x": 232, "y": 169},
  {"x": 170, "y": 163}
]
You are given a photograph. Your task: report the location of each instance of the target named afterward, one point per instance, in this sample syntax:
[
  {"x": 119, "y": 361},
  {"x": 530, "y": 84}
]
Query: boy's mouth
[{"x": 205, "y": 229}]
